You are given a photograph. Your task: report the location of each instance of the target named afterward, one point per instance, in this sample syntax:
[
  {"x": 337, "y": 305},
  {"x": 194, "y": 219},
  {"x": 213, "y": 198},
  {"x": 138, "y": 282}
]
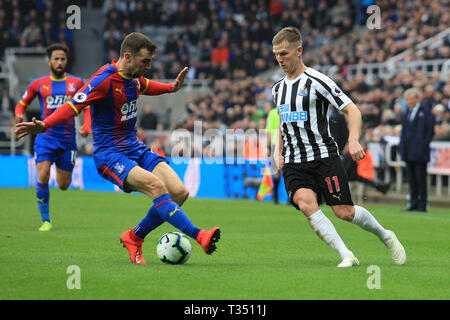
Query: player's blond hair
[{"x": 290, "y": 34}]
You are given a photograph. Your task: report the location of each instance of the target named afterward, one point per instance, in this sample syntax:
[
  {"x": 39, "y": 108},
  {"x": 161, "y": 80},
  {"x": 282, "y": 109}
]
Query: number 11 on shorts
[{"x": 336, "y": 183}]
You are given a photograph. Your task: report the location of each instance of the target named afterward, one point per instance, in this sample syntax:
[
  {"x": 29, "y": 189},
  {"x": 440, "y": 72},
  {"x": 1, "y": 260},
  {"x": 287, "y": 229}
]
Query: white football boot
[
  {"x": 348, "y": 261},
  {"x": 396, "y": 249}
]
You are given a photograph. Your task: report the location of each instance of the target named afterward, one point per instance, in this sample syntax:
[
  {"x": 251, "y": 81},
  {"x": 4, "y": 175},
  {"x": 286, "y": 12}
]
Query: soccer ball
[{"x": 174, "y": 248}]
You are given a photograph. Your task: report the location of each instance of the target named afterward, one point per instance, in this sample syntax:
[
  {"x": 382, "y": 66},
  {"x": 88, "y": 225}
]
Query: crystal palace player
[
  {"x": 119, "y": 156},
  {"x": 308, "y": 155},
  {"x": 56, "y": 144}
]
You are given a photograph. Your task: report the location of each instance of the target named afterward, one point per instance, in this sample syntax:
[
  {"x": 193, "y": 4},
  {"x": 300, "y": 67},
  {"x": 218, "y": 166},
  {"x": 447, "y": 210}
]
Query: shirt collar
[{"x": 113, "y": 63}]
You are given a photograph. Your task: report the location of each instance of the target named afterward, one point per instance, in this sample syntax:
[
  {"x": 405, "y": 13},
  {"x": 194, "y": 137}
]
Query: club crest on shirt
[
  {"x": 303, "y": 92},
  {"x": 71, "y": 87}
]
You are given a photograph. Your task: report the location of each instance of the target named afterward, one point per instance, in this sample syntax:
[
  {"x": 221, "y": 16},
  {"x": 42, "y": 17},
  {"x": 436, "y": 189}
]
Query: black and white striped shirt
[{"x": 302, "y": 105}]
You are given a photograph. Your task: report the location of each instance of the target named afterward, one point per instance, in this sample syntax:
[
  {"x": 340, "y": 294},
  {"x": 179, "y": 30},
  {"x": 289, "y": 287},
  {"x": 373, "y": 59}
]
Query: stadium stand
[
  {"x": 34, "y": 24},
  {"x": 227, "y": 45},
  {"x": 231, "y": 40}
]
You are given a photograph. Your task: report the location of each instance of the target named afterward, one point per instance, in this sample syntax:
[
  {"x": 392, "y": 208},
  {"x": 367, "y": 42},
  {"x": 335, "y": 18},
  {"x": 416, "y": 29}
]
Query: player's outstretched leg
[
  {"x": 367, "y": 221},
  {"x": 164, "y": 209}
]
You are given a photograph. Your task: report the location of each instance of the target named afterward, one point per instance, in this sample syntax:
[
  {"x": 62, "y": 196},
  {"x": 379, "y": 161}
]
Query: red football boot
[
  {"x": 208, "y": 238},
  {"x": 134, "y": 246}
]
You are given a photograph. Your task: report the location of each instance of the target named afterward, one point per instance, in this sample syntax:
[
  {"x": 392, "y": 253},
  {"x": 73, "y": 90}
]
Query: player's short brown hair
[
  {"x": 57, "y": 46},
  {"x": 290, "y": 34},
  {"x": 134, "y": 42}
]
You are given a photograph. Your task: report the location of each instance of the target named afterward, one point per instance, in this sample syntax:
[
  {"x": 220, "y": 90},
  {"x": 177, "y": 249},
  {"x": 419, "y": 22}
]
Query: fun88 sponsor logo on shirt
[
  {"x": 291, "y": 116},
  {"x": 128, "y": 111},
  {"x": 56, "y": 101}
]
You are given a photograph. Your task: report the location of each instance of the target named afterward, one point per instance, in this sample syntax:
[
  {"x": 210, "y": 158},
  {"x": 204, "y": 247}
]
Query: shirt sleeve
[
  {"x": 94, "y": 90},
  {"x": 80, "y": 85},
  {"x": 331, "y": 92},
  {"x": 153, "y": 88},
  {"x": 27, "y": 98}
]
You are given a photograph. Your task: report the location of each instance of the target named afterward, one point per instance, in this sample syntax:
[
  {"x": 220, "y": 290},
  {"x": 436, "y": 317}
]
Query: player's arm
[
  {"x": 27, "y": 98},
  {"x": 278, "y": 152},
  {"x": 354, "y": 127},
  {"x": 87, "y": 124},
  {"x": 333, "y": 95},
  {"x": 153, "y": 88},
  {"x": 60, "y": 115}
]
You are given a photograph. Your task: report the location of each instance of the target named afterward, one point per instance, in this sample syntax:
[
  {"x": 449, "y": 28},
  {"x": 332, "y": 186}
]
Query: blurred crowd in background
[
  {"x": 232, "y": 39},
  {"x": 245, "y": 105},
  {"x": 228, "y": 43},
  {"x": 28, "y": 24}
]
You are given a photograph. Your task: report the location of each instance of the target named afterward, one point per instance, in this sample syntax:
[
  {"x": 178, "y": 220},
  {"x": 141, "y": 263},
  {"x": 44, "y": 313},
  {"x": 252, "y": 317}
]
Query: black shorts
[
  {"x": 326, "y": 177},
  {"x": 350, "y": 166}
]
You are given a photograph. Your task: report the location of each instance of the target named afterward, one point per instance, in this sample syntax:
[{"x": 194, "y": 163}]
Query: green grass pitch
[{"x": 266, "y": 252}]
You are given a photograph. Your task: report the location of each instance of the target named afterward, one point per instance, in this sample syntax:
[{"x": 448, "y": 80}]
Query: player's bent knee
[
  {"x": 156, "y": 186},
  {"x": 179, "y": 195},
  {"x": 64, "y": 186},
  {"x": 306, "y": 207},
  {"x": 43, "y": 177},
  {"x": 64, "y": 182},
  {"x": 143, "y": 181},
  {"x": 182, "y": 196},
  {"x": 305, "y": 201},
  {"x": 343, "y": 212}
]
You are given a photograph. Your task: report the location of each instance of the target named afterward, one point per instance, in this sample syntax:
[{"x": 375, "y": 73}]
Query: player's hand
[
  {"x": 279, "y": 161},
  {"x": 84, "y": 131},
  {"x": 18, "y": 118},
  {"x": 26, "y": 128},
  {"x": 355, "y": 150},
  {"x": 180, "y": 79}
]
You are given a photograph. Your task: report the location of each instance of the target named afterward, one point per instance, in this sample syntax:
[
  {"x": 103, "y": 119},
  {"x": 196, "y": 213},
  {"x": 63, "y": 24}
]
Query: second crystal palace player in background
[
  {"x": 119, "y": 156},
  {"x": 57, "y": 145}
]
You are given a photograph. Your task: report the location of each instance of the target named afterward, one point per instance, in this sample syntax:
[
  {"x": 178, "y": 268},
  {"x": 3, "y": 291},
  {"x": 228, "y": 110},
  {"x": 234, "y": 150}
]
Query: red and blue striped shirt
[
  {"x": 53, "y": 93},
  {"x": 113, "y": 99}
]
